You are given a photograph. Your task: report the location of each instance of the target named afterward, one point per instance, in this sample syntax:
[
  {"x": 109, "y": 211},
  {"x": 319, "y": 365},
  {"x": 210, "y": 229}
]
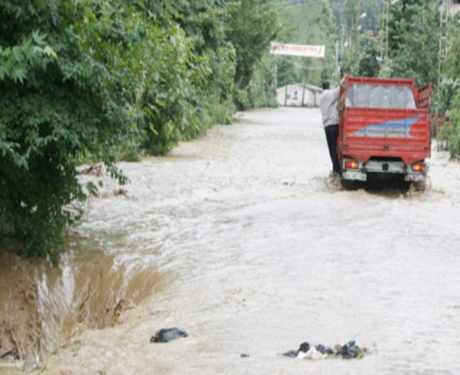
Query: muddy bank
[{"x": 43, "y": 306}]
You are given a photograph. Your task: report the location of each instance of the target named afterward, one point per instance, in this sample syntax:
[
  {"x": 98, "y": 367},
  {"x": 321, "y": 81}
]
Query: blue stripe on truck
[{"x": 393, "y": 128}]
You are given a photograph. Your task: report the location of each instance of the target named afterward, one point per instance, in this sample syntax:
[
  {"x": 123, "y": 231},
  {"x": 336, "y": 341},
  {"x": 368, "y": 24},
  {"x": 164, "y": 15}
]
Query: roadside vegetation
[
  {"x": 106, "y": 80},
  {"x": 450, "y": 132}
]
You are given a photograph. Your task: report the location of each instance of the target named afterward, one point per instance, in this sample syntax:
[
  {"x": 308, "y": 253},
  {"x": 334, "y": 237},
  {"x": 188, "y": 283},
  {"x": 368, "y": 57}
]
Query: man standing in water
[{"x": 329, "y": 104}]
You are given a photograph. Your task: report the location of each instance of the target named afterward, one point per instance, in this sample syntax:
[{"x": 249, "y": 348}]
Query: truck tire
[
  {"x": 405, "y": 186},
  {"x": 420, "y": 186},
  {"x": 349, "y": 184}
]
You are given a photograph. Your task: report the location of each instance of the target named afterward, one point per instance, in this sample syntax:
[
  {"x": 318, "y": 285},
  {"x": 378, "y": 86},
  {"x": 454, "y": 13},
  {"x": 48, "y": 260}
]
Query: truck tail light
[
  {"x": 351, "y": 164},
  {"x": 419, "y": 167}
]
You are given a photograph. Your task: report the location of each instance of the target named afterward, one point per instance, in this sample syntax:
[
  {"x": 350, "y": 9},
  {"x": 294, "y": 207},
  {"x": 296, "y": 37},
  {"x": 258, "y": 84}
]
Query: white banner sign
[{"x": 298, "y": 50}]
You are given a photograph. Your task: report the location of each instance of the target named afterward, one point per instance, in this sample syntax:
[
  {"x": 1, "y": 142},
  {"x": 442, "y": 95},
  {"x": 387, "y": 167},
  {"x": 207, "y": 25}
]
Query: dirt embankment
[{"x": 42, "y": 306}]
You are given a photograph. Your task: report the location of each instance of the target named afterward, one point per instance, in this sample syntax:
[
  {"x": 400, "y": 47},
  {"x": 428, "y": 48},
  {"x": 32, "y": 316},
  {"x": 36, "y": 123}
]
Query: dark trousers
[{"x": 332, "y": 133}]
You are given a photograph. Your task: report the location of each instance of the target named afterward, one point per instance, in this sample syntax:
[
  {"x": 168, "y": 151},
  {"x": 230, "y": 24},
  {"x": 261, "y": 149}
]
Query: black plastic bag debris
[
  {"x": 167, "y": 335},
  {"x": 348, "y": 351}
]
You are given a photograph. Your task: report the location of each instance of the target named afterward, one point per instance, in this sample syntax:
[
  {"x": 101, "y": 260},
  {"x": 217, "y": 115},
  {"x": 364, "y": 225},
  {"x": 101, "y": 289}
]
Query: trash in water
[
  {"x": 291, "y": 353},
  {"x": 347, "y": 351},
  {"x": 324, "y": 349},
  {"x": 168, "y": 334},
  {"x": 350, "y": 351},
  {"x": 307, "y": 351},
  {"x": 244, "y": 355},
  {"x": 10, "y": 354}
]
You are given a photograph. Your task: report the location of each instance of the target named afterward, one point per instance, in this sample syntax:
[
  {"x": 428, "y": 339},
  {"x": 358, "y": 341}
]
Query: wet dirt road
[{"x": 260, "y": 251}]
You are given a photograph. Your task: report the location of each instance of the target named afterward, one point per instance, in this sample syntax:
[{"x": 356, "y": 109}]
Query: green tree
[
  {"x": 414, "y": 40},
  {"x": 251, "y": 26},
  {"x": 451, "y": 130},
  {"x": 58, "y": 101},
  {"x": 363, "y": 59}
]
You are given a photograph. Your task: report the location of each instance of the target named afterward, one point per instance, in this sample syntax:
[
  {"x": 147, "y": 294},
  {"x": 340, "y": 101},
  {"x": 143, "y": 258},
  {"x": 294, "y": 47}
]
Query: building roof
[{"x": 306, "y": 85}]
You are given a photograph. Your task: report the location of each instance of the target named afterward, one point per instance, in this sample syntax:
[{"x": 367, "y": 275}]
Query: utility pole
[
  {"x": 444, "y": 13},
  {"x": 355, "y": 29},
  {"x": 386, "y": 41},
  {"x": 337, "y": 74}
]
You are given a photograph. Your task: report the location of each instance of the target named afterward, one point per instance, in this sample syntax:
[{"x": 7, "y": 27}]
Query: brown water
[{"x": 263, "y": 251}]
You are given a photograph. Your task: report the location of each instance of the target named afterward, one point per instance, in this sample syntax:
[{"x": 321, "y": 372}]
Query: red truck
[{"x": 384, "y": 129}]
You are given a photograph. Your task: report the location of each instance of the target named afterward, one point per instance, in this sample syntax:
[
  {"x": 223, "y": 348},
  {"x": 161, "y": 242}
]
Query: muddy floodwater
[{"x": 243, "y": 240}]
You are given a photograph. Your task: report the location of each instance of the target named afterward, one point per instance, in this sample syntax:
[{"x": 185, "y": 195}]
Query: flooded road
[{"x": 259, "y": 250}]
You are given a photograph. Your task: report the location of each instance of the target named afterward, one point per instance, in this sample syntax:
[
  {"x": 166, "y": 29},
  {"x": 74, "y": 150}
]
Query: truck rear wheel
[
  {"x": 420, "y": 186},
  {"x": 349, "y": 184}
]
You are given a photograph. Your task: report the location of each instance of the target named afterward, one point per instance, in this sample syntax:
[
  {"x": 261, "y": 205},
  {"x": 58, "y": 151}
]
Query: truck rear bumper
[
  {"x": 378, "y": 166},
  {"x": 382, "y": 167},
  {"x": 415, "y": 177},
  {"x": 354, "y": 176}
]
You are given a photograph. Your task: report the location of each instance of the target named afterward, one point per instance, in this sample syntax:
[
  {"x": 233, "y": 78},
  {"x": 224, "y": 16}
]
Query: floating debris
[
  {"x": 347, "y": 351},
  {"x": 350, "y": 351},
  {"x": 168, "y": 334},
  {"x": 324, "y": 349},
  {"x": 120, "y": 191},
  {"x": 304, "y": 348},
  {"x": 93, "y": 170},
  {"x": 10, "y": 354},
  {"x": 291, "y": 354},
  {"x": 244, "y": 355}
]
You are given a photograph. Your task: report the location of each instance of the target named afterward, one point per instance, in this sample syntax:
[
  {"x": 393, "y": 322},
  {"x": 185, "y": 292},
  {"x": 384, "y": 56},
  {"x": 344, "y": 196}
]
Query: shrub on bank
[
  {"x": 57, "y": 100},
  {"x": 450, "y": 132}
]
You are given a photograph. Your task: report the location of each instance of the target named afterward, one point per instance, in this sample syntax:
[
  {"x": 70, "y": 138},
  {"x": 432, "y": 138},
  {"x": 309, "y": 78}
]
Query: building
[
  {"x": 298, "y": 95},
  {"x": 452, "y": 5},
  {"x": 455, "y": 7}
]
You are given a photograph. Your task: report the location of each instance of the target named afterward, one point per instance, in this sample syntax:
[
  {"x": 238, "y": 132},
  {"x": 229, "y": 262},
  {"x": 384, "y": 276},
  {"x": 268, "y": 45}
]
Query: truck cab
[{"x": 384, "y": 129}]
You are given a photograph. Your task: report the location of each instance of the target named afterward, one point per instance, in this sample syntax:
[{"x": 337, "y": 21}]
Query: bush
[
  {"x": 445, "y": 94},
  {"x": 450, "y": 132},
  {"x": 414, "y": 40},
  {"x": 252, "y": 25},
  {"x": 58, "y": 100}
]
